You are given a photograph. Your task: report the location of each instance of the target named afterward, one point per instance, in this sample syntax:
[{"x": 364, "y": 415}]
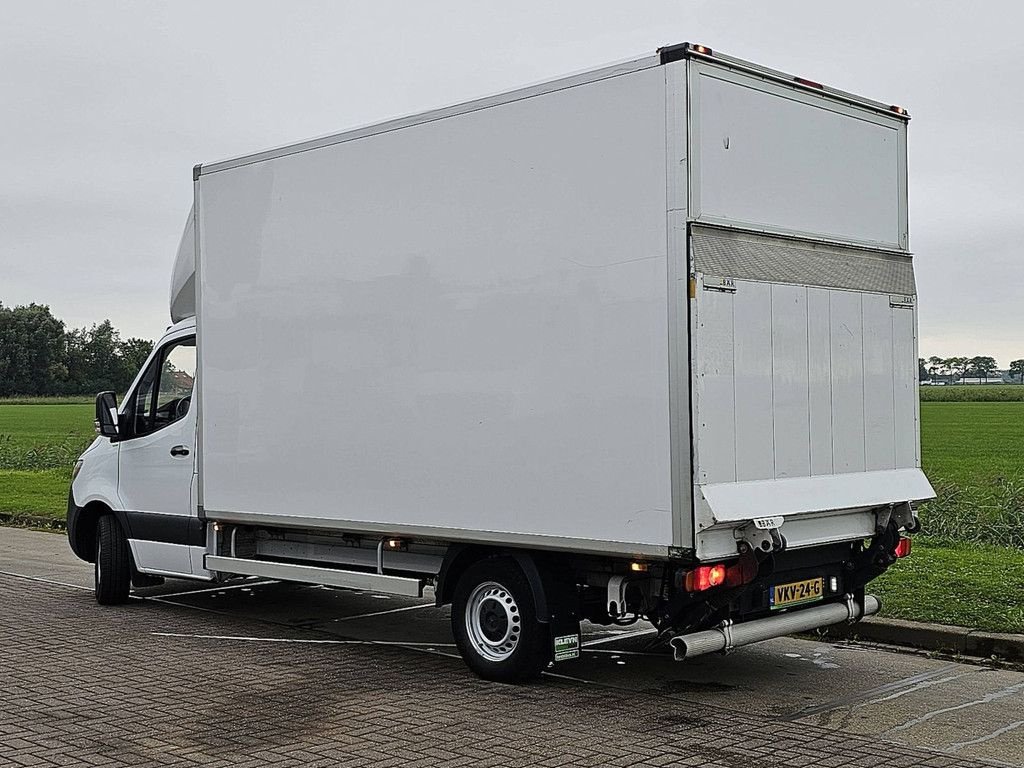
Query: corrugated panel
[
  {"x": 789, "y": 381},
  {"x": 819, "y": 379},
  {"x": 715, "y": 371},
  {"x": 847, "y": 353},
  {"x": 775, "y": 260},
  {"x": 755, "y": 441},
  {"x": 905, "y": 393},
  {"x": 879, "y": 444}
]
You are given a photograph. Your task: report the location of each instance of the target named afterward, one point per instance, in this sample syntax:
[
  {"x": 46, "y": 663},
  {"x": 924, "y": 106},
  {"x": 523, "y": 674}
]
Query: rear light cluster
[
  {"x": 902, "y": 547},
  {"x": 705, "y": 577}
]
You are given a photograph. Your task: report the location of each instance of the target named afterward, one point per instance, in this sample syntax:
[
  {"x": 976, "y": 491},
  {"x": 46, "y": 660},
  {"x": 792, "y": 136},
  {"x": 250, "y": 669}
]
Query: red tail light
[
  {"x": 902, "y": 548},
  {"x": 705, "y": 577}
]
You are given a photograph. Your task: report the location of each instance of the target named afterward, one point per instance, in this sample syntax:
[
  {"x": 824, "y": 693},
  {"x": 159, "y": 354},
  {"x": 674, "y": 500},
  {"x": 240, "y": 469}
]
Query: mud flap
[{"x": 563, "y": 619}]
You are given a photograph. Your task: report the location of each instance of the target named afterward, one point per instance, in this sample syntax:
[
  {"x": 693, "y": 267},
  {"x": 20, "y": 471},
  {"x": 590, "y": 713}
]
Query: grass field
[
  {"x": 52, "y": 400},
  {"x": 981, "y": 586},
  {"x": 972, "y": 453},
  {"x": 973, "y": 533},
  {"x": 38, "y": 447}
]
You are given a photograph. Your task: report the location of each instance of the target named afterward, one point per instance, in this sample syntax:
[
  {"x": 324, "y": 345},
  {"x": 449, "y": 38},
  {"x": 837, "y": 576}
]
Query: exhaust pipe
[{"x": 727, "y": 636}]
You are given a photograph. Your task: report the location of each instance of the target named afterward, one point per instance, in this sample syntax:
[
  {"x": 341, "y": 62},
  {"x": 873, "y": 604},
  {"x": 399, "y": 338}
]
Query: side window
[
  {"x": 164, "y": 394},
  {"x": 142, "y": 407}
]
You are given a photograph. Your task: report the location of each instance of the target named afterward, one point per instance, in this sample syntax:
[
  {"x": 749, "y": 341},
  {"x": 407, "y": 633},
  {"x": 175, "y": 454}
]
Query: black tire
[
  {"x": 527, "y": 651},
  {"x": 113, "y": 571}
]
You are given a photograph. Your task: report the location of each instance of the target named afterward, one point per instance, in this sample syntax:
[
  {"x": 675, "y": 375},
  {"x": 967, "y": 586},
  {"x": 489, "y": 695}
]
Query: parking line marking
[
  {"x": 857, "y": 698},
  {"x": 988, "y": 698},
  {"x": 615, "y": 651},
  {"x": 560, "y": 676},
  {"x": 958, "y": 745},
  {"x": 619, "y": 636},
  {"x": 218, "y": 589},
  {"x": 381, "y": 613},
  {"x": 915, "y": 688},
  {"x": 45, "y": 581}
]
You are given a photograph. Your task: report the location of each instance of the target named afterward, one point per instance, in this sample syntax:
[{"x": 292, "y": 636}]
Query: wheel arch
[
  {"x": 82, "y": 522},
  {"x": 461, "y": 556}
]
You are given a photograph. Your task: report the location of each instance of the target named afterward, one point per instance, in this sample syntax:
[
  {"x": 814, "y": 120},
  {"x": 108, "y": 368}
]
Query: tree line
[
  {"x": 953, "y": 369},
  {"x": 40, "y": 357}
]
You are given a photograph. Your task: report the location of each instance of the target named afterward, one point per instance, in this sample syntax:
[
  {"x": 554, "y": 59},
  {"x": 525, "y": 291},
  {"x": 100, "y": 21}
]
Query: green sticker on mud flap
[{"x": 567, "y": 647}]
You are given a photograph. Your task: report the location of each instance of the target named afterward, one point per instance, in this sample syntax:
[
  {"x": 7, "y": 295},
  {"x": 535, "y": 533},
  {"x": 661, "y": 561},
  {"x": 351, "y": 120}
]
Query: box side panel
[{"x": 456, "y": 325}]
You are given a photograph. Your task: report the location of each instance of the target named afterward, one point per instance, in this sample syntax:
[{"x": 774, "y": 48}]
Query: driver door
[{"x": 156, "y": 462}]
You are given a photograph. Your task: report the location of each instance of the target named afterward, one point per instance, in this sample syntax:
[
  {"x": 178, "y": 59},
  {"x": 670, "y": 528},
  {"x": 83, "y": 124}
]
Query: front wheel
[
  {"x": 113, "y": 570},
  {"x": 495, "y": 623}
]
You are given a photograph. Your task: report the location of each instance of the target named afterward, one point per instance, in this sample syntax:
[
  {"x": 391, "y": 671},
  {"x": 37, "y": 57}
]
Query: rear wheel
[
  {"x": 113, "y": 565},
  {"x": 495, "y": 622}
]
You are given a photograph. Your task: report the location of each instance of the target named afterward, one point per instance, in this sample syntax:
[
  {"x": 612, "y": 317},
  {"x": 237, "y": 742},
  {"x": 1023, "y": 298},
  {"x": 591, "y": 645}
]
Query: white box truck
[{"x": 636, "y": 343}]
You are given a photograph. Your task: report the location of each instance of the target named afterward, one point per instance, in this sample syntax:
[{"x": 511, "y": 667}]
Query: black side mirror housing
[{"x": 106, "y": 407}]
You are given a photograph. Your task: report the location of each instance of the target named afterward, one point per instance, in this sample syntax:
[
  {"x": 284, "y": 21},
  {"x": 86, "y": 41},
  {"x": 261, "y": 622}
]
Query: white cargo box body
[{"x": 624, "y": 313}]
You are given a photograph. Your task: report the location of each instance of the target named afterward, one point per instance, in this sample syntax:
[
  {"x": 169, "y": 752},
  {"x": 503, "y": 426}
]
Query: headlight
[{"x": 76, "y": 470}]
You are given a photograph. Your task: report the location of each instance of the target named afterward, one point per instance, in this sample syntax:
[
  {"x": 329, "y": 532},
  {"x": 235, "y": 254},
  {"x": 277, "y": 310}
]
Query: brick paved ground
[{"x": 81, "y": 685}]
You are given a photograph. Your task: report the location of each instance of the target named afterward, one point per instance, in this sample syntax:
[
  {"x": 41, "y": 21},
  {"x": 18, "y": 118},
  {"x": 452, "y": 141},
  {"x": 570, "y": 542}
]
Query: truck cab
[{"x": 143, "y": 471}]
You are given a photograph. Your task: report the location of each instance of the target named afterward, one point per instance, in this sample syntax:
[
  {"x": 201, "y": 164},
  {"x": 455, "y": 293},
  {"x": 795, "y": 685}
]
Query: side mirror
[{"x": 106, "y": 408}]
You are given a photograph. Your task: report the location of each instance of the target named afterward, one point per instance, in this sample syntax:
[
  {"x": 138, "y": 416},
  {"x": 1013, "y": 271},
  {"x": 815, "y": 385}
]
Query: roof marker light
[
  {"x": 898, "y": 110},
  {"x": 808, "y": 83},
  {"x": 702, "y": 49}
]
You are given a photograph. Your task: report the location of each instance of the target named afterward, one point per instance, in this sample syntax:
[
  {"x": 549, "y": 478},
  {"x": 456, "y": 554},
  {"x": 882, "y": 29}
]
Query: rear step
[
  {"x": 310, "y": 574},
  {"x": 728, "y": 635}
]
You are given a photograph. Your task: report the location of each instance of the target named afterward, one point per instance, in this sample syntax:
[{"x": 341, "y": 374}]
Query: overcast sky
[{"x": 105, "y": 107}]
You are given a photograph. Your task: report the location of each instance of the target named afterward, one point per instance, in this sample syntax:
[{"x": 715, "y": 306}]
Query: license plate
[{"x": 797, "y": 592}]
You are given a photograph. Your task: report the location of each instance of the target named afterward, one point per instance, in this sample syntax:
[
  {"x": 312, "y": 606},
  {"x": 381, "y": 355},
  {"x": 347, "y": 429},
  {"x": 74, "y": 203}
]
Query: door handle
[{"x": 179, "y": 450}]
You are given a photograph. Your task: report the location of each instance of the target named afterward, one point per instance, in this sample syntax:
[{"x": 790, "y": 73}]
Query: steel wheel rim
[{"x": 493, "y": 622}]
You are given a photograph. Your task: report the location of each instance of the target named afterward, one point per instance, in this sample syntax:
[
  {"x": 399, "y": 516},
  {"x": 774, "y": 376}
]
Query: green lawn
[
  {"x": 970, "y": 453},
  {"x": 973, "y": 443},
  {"x": 41, "y": 425},
  {"x": 40, "y": 493},
  {"x": 38, "y": 447},
  {"x": 967, "y": 585}
]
